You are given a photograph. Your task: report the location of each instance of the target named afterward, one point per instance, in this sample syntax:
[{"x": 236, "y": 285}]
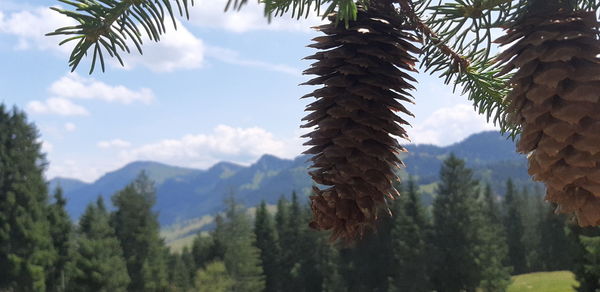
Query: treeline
[{"x": 468, "y": 239}]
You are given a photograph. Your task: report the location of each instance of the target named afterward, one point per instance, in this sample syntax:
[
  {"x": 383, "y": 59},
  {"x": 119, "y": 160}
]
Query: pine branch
[
  {"x": 475, "y": 76},
  {"x": 110, "y": 26}
]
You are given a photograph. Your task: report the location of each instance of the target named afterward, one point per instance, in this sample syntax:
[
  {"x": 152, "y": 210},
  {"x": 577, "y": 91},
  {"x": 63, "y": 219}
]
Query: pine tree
[
  {"x": 25, "y": 244},
  {"x": 556, "y": 248},
  {"x": 242, "y": 257},
  {"x": 270, "y": 252},
  {"x": 409, "y": 247},
  {"x": 137, "y": 229},
  {"x": 213, "y": 278},
  {"x": 455, "y": 232},
  {"x": 492, "y": 250},
  {"x": 98, "y": 263},
  {"x": 585, "y": 255},
  {"x": 179, "y": 274},
  {"x": 513, "y": 224},
  {"x": 60, "y": 231},
  {"x": 207, "y": 248}
]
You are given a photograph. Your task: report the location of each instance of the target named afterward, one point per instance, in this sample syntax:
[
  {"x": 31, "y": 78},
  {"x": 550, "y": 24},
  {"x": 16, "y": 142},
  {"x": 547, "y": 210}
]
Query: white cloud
[
  {"x": 56, "y": 105},
  {"x": 242, "y": 145},
  {"x": 209, "y": 13},
  {"x": 233, "y": 57},
  {"x": 70, "y": 127},
  {"x": 30, "y": 27},
  {"x": 449, "y": 125},
  {"x": 73, "y": 86},
  {"x": 177, "y": 49},
  {"x": 115, "y": 143}
]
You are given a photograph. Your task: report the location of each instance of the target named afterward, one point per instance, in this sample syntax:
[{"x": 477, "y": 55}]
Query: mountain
[{"x": 184, "y": 193}]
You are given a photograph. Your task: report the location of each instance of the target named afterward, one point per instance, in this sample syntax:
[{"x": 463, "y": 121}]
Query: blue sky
[{"x": 224, "y": 86}]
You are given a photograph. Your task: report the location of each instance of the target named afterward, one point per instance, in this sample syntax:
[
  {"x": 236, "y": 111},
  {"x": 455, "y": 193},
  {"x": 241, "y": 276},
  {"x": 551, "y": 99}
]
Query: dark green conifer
[
  {"x": 409, "y": 246},
  {"x": 137, "y": 228},
  {"x": 266, "y": 241},
  {"x": 61, "y": 233},
  {"x": 513, "y": 224},
  {"x": 98, "y": 263},
  {"x": 492, "y": 250},
  {"x": 242, "y": 257},
  {"x": 25, "y": 244},
  {"x": 456, "y": 265}
]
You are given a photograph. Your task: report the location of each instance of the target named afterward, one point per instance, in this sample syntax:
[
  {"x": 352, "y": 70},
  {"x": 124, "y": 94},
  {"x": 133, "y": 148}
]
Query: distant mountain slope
[{"x": 184, "y": 193}]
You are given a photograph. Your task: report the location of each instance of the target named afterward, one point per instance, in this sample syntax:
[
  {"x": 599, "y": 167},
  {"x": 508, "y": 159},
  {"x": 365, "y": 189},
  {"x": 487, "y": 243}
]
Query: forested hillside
[{"x": 184, "y": 194}]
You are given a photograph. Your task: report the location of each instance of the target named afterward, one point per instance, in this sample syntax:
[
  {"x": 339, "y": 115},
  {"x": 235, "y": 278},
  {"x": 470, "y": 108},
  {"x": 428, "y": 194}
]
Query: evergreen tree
[
  {"x": 242, "y": 257},
  {"x": 556, "y": 248},
  {"x": 513, "y": 224},
  {"x": 456, "y": 265},
  {"x": 60, "y": 231},
  {"x": 214, "y": 278},
  {"x": 98, "y": 261},
  {"x": 207, "y": 248},
  {"x": 585, "y": 257},
  {"x": 408, "y": 240},
  {"x": 25, "y": 244},
  {"x": 266, "y": 241},
  {"x": 137, "y": 229},
  {"x": 492, "y": 250},
  {"x": 190, "y": 266},
  {"x": 533, "y": 211},
  {"x": 179, "y": 274}
]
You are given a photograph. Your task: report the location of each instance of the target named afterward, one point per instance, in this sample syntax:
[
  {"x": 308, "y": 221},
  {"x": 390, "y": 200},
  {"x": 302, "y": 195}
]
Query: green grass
[{"x": 561, "y": 281}]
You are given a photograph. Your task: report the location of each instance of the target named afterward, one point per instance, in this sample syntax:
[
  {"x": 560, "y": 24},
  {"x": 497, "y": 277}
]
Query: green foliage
[
  {"x": 513, "y": 222},
  {"x": 466, "y": 255},
  {"x": 213, "y": 278},
  {"x": 61, "y": 233},
  {"x": 25, "y": 244},
  {"x": 98, "y": 263},
  {"x": 137, "y": 229},
  {"x": 586, "y": 257},
  {"x": 409, "y": 244},
  {"x": 270, "y": 251},
  {"x": 241, "y": 257},
  {"x": 492, "y": 249}
]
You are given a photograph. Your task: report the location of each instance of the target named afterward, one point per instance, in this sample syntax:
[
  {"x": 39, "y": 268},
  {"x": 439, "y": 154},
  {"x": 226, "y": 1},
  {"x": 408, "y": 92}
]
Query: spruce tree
[
  {"x": 556, "y": 249},
  {"x": 242, "y": 257},
  {"x": 25, "y": 244},
  {"x": 213, "y": 278},
  {"x": 492, "y": 249},
  {"x": 206, "y": 247},
  {"x": 513, "y": 224},
  {"x": 408, "y": 240},
  {"x": 179, "y": 274},
  {"x": 270, "y": 253},
  {"x": 586, "y": 255},
  {"x": 61, "y": 233},
  {"x": 456, "y": 265},
  {"x": 98, "y": 263},
  {"x": 137, "y": 228}
]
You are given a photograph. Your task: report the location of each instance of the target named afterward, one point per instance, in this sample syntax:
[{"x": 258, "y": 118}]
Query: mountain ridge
[{"x": 185, "y": 193}]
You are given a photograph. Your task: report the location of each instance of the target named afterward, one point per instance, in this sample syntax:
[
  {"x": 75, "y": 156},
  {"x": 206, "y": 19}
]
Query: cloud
[
  {"x": 177, "y": 49},
  {"x": 56, "y": 105},
  {"x": 30, "y": 27},
  {"x": 115, "y": 143},
  {"x": 73, "y": 86},
  {"x": 242, "y": 145},
  {"x": 233, "y": 57},
  {"x": 209, "y": 13},
  {"x": 449, "y": 125},
  {"x": 70, "y": 127}
]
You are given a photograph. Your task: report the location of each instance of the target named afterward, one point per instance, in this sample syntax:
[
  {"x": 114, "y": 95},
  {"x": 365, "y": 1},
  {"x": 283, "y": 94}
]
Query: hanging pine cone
[
  {"x": 363, "y": 70},
  {"x": 555, "y": 98}
]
